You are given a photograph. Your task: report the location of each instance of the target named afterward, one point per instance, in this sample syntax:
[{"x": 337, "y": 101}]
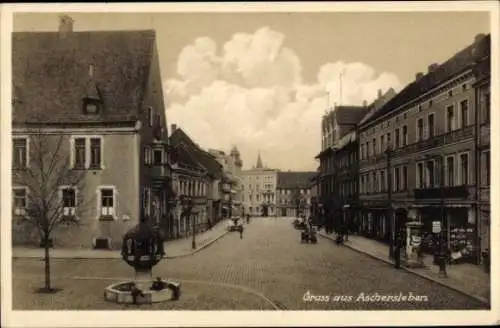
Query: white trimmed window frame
[
  {"x": 459, "y": 168},
  {"x": 88, "y": 150},
  {"x": 18, "y": 212},
  {"x": 417, "y": 137},
  {"x": 27, "y": 140},
  {"x": 427, "y": 176},
  {"x": 427, "y": 130},
  {"x": 447, "y": 176},
  {"x": 71, "y": 211},
  {"x": 450, "y": 126},
  {"x": 99, "y": 201},
  {"x": 460, "y": 118}
]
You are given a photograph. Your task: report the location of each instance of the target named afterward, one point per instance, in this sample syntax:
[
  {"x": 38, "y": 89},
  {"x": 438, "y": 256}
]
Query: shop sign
[{"x": 436, "y": 226}]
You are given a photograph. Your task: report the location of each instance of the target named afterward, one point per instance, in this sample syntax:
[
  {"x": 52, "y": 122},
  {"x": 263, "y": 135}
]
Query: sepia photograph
[{"x": 248, "y": 160}]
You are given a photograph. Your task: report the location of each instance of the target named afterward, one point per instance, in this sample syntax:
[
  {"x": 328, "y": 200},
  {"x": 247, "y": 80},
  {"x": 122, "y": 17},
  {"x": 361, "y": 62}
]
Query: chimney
[
  {"x": 173, "y": 127},
  {"x": 65, "y": 25},
  {"x": 432, "y": 67},
  {"x": 419, "y": 75},
  {"x": 379, "y": 93},
  {"x": 479, "y": 37}
]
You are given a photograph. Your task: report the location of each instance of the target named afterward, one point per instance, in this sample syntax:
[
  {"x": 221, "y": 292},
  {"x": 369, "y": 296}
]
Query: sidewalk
[
  {"x": 174, "y": 249},
  {"x": 465, "y": 278}
]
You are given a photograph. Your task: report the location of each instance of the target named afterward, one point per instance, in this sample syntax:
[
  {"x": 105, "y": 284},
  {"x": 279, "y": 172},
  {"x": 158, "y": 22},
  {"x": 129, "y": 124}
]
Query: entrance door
[{"x": 283, "y": 212}]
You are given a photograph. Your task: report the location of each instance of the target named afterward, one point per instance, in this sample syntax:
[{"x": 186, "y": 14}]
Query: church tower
[{"x": 259, "y": 162}]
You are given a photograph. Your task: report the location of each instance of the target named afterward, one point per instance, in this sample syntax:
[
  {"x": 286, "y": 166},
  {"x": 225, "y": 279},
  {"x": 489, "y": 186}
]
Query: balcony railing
[{"x": 445, "y": 192}]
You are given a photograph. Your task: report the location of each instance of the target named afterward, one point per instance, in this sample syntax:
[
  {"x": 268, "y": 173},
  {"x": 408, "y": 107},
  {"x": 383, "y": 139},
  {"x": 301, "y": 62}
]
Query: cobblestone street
[{"x": 268, "y": 266}]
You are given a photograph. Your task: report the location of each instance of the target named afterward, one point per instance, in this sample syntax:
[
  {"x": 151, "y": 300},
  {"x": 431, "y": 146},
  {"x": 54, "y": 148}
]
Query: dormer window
[{"x": 91, "y": 106}]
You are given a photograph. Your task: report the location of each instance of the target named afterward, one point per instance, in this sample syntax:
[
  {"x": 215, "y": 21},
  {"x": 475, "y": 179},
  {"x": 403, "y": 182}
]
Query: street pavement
[{"x": 267, "y": 269}]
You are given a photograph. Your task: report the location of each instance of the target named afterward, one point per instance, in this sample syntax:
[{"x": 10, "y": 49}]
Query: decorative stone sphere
[{"x": 142, "y": 246}]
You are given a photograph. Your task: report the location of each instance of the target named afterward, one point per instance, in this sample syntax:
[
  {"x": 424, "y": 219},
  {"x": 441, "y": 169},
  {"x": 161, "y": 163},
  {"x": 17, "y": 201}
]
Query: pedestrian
[
  {"x": 241, "y": 232},
  {"x": 397, "y": 252}
]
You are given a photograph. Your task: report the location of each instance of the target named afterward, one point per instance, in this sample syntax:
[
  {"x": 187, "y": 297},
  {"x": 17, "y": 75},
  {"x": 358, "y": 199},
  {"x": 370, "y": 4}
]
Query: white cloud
[{"x": 251, "y": 94}]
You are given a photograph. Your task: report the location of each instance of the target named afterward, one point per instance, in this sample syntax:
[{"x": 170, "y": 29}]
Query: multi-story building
[
  {"x": 231, "y": 183},
  {"x": 336, "y": 124},
  {"x": 213, "y": 171},
  {"x": 483, "y": 171},
  {"x": 190, "y": 181},
  {"x": 293, "y": 193},
  {"x": 418, "y": 155},
  {"x": 259, "y": 190},
  {"x": 88, "y": 104}
]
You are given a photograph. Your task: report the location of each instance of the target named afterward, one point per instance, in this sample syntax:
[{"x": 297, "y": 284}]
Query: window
[
  {"x": 20, "y": 153},
  {"x": 383, "y": 181},
  {"x": 450, "y": 118},
  {"x": 150, "y": 116},
  {"x": 389, "y": 144},
  {"x": 420, "y": 175},
  {"x": 95, "y": 153},
  {"x": 485, "y": 172},
  {"x": 367, "y": 150},
  {"x": 450, "y": 171},
  {"x": 486, "y": 108},
  {"x": 420, "y": 129},
  {"x": 430, "y": 125},
  {"x": 464, "y": 169},
  {"x": 464, "y": 113},
  {"x": 404, "y": 178},
  {"x": 68, "y": 196},
  {"x": 382, "y": 143},
  {"x": 80, "y": 151},
  {"x": 157, "y": 157},
  {"x": 19, "y": 200},
  {"x": 396, "y": 137},
  {"x": 405, "y": 135},
  {"x": 107, "y": 202},
  {"x": 375, "y": 183},
  {"x": 374, "y": 146},
  {"x": 430, "y": 176},
  {"x": 397, "y": 179}
]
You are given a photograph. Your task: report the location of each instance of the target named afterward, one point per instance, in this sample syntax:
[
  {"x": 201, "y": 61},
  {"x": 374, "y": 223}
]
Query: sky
[{"x": 262, "y": 81}]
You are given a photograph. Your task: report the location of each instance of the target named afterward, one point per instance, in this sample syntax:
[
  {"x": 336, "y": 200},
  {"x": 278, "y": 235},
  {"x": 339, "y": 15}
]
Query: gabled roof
[
  {"x": 184, "y": 157},
  {"x": 52, "y": 74},
  {"x": 293, "y": 180},
  {"x": 459, "y": 63},
  {"x": 349, "y": 115},
  {"x": 206, "y": 160}
]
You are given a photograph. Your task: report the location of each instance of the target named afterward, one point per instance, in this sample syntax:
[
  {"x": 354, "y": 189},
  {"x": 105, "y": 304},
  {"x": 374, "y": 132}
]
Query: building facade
[
  {"x": 231, "y": 182},
  {"x": 74, "y": 115},
  {"x": 259, "y": 190},
  {"x": 336, "y": 125},
  {"x": 293, "y": 193},
  {"x": 418, "y": 156},
  {"x": 211, "y": 198}
]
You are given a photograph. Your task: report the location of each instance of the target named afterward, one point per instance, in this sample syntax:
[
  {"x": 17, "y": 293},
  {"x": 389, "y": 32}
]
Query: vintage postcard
[{"x": 286, "y": 163}]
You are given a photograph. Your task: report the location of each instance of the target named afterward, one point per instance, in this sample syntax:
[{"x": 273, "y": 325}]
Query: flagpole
[{"x": 340, "y": 86}]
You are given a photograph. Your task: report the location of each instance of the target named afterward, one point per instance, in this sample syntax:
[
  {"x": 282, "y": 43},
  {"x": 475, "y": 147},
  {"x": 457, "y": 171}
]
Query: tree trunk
[{"x": 47, "y": 263}]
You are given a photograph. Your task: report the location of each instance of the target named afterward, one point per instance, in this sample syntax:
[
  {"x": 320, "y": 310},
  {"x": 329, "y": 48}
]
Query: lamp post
[{"x": 388, "y": 152}]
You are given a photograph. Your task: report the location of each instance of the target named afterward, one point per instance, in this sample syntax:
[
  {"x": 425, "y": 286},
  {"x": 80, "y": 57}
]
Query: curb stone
[
  {"x": 113, "y": 255},
  {"x": 422, "y": 275}
]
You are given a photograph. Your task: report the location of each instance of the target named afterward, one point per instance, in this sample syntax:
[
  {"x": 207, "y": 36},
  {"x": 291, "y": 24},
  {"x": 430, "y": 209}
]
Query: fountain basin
[{"x": 121, "y": 293}]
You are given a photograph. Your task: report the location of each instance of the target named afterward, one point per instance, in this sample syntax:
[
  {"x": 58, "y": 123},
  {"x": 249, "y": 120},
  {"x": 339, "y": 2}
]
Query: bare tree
[{"x": 48, "y": 204}]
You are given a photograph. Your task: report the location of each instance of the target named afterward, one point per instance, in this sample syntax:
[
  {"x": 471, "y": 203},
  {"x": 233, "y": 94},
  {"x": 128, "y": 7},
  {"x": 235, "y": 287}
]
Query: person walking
[{"x": 241, "y": 232}]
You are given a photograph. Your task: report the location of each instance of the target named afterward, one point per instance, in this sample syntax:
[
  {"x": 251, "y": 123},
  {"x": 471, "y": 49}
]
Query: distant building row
[{"x": 413, "y": 154}]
